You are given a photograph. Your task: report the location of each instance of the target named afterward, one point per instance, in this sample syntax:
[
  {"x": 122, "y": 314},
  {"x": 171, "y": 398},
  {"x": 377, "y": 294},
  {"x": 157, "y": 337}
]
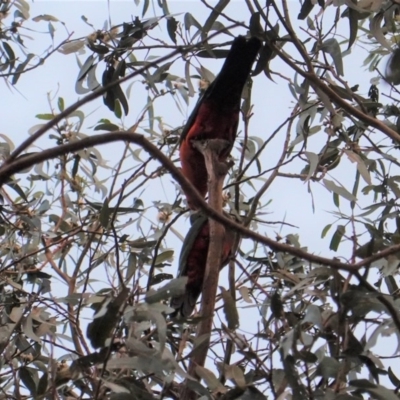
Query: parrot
[
  {"x": 216, "y": 115},
  {"x": 192, "y": 262}
]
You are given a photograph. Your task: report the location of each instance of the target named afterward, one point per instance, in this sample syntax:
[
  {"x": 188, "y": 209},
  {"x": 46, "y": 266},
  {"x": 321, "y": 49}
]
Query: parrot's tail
[
  {"x": 185, "y": 303},
  {"x": 227, "y": 87}
]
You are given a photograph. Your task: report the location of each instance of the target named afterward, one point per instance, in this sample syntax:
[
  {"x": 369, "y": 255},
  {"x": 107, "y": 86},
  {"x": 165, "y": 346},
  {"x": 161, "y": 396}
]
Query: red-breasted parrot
[
  {"x": 192, "y": 262},
  {"x": 216, "y": 114}
]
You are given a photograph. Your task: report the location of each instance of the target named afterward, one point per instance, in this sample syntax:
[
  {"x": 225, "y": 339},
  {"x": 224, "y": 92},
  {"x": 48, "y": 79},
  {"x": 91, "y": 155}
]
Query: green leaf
[
  {"x": 339, "y": 190},
  {"x": 391, "y": 284},
  {"x": 313, "y": 159},
  {"x": 361, "y": 166},
  {"x": 98, "y": 48},
  {"x": 98, "y": 261},
  {"x": 27, "y": 379},
  {"x": 235, "y": 373},
  {"x": 230, "y": 310},
  {"x": 23, "y": 7},
  {"x": 132, "y": 266},
  {"x": 87, "y": 65},
  {"x": 175, "y": 287},
  {"x": 190, "y": 21},
  {"x": 310, "y": 24},
  {"x": 51, "y": 31},
  {"x": 189, "y": 79},
  {"x": 43, "y": 383},
  {"x": 262, "y": 64},
  {"x": 353, "y": 24},
  {"x": 306, "y": 8},
  {"x": 105, "y": 319},
  {"x": 60, "y": 104},
  {"x": 45, "y": 17},
  {"x": 164, "y": 6},
  {"x": 106, "y": 127},
  {"x": 336, "y": 200},
  {"x": 377, "y": 32},
  {"x": 392, "y": 72},
  {"x": 313, "y": 315},
  {"x": 154, "y": 312},
  {"x": 47, "y": 117},
  {"x": 370, "y": 248},
  {"x": 328, "y": 367},
  {"x": 331, "y": 46},
  {"x": 337, "y": 237},
  {"x": 150, "y": 111},
  {"x": 160, "y": 73},
  {"x": 13, "y": 185},
  {"x": 215, "y": 13},
  {"x": 71, "y": 47},
  {"x": 64, "y": 226},
  {"x": 20, "y": 68},
  {"x": 172, "y": 26},
  {"x": 119, "y": 210},
  {"x": 27, "y": 326},
  {"x": 141, "y": 243},
  {"x": 363, "y": 384},
  {"x": 145, "y": 7},
  {"x": 210, "y": 379},
  {"x": 10, "y": 54},
  {"x": 216, "y": 53},
  {"x": 276, "y": 305},
  {"x": 156, "y": 279},
  {"x": 117, "y": 109},
  {"x": 256, "y": 29},
  {"x": 80, "y": 115},
  {"x": 393, "y": 378},
  {"x": 166, "y": 255},
  {"x": 75, "y": 166},
  {"x": 325, "y": 230},
  {"x": 377, "y": 391},
  {"x": 105, "y": 215}
]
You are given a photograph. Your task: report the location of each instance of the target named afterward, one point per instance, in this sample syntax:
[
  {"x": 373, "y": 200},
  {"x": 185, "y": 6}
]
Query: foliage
[{"x": 86, "y": 246}]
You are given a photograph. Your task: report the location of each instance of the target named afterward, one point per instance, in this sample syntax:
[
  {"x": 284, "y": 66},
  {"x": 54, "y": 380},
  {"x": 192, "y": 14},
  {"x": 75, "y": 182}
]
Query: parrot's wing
[{"x": 187, "y": 301}]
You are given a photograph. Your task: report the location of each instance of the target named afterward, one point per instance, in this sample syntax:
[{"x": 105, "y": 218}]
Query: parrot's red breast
[
  {"x": 192, "y": 263},
  {"x": 216, "y": 114}
]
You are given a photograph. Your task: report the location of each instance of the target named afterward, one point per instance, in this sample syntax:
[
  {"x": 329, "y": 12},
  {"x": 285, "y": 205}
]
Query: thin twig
[
  {"x": 216, "y": 174},
  {"x": 25, "y": 162}
]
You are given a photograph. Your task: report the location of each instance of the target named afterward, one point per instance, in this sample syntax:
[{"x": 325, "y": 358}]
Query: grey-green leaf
[
  {"x": 331, "y": 46},
  {"x": 339, "y": 190}
]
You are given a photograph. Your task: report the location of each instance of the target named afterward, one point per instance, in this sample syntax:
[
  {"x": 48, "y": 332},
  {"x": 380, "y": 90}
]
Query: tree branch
[
  {"x": 316, "y": 82},
  {"x": 97, "y": 93},
  {"x": 217, "y": 171},
  {"x": 27, "y": 161}
]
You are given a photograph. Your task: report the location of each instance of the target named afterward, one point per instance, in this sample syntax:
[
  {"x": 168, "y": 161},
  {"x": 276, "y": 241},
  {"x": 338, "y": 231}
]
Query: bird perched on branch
[
  {"x": 216, "y": 114},
  {"x": 192, "y": 262}
]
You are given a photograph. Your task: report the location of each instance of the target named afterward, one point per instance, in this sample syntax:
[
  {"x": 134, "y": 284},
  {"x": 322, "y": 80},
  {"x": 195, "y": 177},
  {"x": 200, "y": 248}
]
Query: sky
[
  {"x": 272, "y": 101},
  {"x": 291, "y": 200}
]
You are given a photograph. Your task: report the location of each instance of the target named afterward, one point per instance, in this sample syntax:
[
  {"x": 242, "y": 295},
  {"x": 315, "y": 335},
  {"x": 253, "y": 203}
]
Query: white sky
[{"x": 272, "y": 104}]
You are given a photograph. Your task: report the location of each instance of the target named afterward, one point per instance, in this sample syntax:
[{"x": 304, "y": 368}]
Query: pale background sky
[
  {"x": 290, "y": 198},
  {"x": 273, "y": 101}
]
